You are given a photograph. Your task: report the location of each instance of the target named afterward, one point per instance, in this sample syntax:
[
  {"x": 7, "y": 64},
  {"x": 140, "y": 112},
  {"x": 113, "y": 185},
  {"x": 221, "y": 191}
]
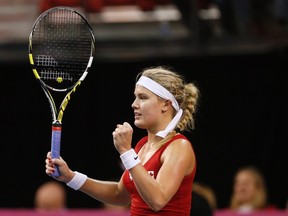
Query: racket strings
[
  {"x": 62, "y": 46},
  {"x": 49, "y": 74}
]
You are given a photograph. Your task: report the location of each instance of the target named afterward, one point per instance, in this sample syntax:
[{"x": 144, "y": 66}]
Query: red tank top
[{"x": 180, "y": 203}]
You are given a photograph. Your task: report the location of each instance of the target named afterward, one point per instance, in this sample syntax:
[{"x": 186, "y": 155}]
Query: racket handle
[{"x": 55, "y": 145}]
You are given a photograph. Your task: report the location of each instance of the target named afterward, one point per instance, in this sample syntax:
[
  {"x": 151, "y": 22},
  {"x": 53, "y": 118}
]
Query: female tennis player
[{"x": 160, "y": 170}]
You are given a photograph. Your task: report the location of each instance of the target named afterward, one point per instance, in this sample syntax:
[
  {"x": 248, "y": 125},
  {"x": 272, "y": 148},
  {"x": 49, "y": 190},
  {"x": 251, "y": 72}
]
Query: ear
[{"x": 166, "y": 105}]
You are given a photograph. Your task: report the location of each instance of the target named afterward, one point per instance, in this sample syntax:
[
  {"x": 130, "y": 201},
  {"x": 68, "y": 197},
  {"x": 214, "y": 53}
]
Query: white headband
[{"x": 162, "y": 92}]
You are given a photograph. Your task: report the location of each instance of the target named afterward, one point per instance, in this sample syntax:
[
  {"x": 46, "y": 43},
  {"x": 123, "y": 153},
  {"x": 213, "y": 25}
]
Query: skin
[
  {"x": 244, "y": 187},
  {"x": 178, "y": 160},
  {"x": 50, "y": 196}
]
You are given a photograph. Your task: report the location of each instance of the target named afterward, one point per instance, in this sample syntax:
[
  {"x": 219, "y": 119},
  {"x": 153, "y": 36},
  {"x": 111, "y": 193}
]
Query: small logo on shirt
[
  {"x": 151, "y": 173},
  {"x": 135, "y": 158}
]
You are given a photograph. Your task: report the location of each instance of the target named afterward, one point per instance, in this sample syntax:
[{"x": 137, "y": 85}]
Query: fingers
[
  {"x": 50, "y": 167},
  {"x": 122, "y": 137},
  {"x": 50, "y": 164},
  {"x": 127, "y": 125},
  {"x": 48, "y": 155},
  {"x": 123, "y": 127}
]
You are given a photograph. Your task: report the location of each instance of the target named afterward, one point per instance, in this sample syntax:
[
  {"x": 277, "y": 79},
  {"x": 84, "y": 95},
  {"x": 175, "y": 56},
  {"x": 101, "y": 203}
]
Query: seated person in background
[
  {"x": 50, "y": 196},
  {"x": 203, "y": 200},
  {"x": 249, "y": 190}
]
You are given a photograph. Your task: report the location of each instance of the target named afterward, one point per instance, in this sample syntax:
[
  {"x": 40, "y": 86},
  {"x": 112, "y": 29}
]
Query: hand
[
  {"x": 65, "y": 173},
  {"x": 122, "y": 137}
]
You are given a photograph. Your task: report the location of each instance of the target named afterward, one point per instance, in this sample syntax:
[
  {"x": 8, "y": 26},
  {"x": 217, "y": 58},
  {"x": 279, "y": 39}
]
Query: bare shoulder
[
  {"x": 181, "y": 143},
  {"x": 180, "y": 155},
  {"x": 181, "y": 147}
]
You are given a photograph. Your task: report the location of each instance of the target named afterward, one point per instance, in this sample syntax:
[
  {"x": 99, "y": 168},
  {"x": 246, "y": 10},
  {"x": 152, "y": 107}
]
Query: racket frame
[{"x": 57, "y": 114}]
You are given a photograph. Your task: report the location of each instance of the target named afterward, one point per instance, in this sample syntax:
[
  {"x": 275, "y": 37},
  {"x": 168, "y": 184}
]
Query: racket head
[{"x": 61, "y": 48}]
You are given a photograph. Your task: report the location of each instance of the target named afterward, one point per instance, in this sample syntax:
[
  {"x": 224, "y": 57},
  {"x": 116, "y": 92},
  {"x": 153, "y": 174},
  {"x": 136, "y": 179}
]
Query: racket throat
[{"x": 57, "y": 126}]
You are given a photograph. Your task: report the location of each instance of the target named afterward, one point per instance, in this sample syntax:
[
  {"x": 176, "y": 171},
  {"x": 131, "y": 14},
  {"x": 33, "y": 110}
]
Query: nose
[{"x": 134, "y": 104}]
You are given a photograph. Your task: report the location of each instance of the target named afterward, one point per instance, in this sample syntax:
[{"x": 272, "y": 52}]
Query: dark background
[
  {"x": 242, "y": 120},
  {"x": 242, "y": 116}
]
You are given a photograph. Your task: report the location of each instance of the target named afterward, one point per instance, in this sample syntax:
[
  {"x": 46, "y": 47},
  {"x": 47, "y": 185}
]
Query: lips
[{"x": 136, "y": 114}]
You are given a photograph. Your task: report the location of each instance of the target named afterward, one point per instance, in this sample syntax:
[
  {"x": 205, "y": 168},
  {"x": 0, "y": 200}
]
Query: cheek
[
  {"x": 150, "y": 112},
  {"x": 151, "y": 109}
]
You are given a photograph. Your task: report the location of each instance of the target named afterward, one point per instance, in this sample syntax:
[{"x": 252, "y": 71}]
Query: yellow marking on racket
[
  {"x": 31, "y": 59},
  {"x": 34, "y": 70},
  {"x": 65, "y": 102}
]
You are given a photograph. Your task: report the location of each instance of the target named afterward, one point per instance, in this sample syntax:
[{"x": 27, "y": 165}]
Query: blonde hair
[
  {"x": 260, "y": 197},
  {"x": 186, "y": 94},
  {"x": 206, "y": 192}
]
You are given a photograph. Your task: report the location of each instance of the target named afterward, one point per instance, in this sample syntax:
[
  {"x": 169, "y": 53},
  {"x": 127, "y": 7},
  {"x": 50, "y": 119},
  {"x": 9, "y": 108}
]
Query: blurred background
[{"x": 234, "y": 51}]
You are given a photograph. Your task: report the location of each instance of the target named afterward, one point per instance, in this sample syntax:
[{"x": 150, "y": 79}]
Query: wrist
[
  {"x": 130, "y": 159},
  {"x": 69, "y": 176},
  {"x": 77, "y": 181}
]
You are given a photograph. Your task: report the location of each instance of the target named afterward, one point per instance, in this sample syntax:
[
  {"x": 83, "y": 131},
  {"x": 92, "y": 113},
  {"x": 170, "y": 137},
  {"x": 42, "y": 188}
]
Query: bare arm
[
  {"x": 104, "y": 191},
  {"x": 107, "y": 191}
]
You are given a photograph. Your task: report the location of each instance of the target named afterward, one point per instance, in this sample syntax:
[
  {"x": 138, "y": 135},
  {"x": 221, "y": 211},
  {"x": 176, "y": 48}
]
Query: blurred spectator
[
  {"x": 281, "y": 14},
  {"x": 87, "y": 5},
  {"x": 50, "y": 196},
  {"x": 204, "y": 201},
  {"x": 98, "y": 5},
  {"x": 249, "y": 191},
  {"x": 246, "y": 17}
]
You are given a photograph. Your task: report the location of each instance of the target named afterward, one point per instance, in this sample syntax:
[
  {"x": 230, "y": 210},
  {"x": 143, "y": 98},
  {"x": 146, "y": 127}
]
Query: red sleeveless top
[{"x": 180, "y": 203}]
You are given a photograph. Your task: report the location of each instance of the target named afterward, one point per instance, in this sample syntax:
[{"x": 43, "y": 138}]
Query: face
[
  {"x": 147, "y": 109},
  {"x": 244, "y": 187},
  {"x": 50, "y": 197}
]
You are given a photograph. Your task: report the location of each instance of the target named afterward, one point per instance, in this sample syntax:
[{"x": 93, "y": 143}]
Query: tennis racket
[{"x": 61, "y": 50}]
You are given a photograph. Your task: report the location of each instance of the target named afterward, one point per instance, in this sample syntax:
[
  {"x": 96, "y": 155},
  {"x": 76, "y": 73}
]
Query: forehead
[
  {"x": 141, "y": 90},
  {"x": 245, "y": 175}
]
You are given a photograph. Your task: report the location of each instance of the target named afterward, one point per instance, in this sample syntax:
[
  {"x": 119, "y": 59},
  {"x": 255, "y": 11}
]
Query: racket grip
[{"x": 55, "y": 145}]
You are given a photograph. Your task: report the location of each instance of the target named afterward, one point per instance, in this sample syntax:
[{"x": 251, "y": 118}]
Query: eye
[{"x": 141, "y": 96}]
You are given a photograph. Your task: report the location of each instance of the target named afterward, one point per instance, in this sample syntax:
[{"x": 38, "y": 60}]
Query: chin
[{"x": 139, "y": 125}]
